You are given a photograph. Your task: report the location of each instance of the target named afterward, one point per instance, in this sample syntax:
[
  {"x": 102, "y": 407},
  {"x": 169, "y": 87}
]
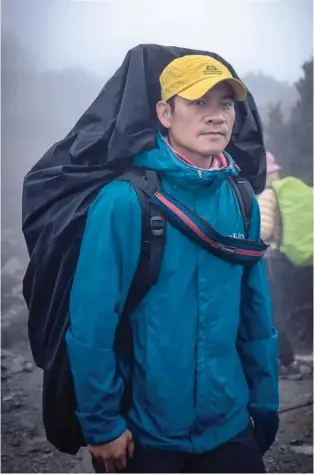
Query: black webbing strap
[
  {"x": 145, "y": 183},
  {"x": 244, "y": 193}
]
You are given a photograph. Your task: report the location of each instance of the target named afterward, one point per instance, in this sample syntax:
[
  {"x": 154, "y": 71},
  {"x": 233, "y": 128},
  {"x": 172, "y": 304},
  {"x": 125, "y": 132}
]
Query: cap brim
[{"x": 198, "y": 90}]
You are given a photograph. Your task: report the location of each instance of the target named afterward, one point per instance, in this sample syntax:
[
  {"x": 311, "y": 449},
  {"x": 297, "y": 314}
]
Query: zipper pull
[{"x": 200, "y": 173}]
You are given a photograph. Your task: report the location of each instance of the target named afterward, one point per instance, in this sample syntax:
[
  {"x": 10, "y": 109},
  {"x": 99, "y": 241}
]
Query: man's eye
[
  {"x": 227, "y": 103},
  {"x": 198, "y": 102}
]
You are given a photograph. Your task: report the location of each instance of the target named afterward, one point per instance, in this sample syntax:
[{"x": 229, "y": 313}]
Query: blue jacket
[{"x": 205, "y": 352}]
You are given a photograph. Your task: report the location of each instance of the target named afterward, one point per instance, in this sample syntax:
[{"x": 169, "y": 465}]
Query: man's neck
[{"x": 191, "y": 158}]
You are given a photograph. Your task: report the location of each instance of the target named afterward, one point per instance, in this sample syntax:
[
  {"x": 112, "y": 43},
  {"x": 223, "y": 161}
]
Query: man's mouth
[{"x": 214, "y": 133}]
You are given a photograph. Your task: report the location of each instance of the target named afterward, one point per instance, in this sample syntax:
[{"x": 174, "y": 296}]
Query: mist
[
  {"x": 56, "y": 57},
  {"x": 273, "y": 36}
]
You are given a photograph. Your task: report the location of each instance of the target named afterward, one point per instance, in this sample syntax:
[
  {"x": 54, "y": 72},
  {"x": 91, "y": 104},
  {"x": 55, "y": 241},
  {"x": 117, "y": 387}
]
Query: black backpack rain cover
[{"x": 57, "y": 191}]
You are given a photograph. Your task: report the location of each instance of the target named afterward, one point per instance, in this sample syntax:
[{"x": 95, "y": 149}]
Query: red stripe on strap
[
  {"x": 252, "y": 253},
  {"x": 196, "y": 230},
  {"x": 184, "y": 218}
]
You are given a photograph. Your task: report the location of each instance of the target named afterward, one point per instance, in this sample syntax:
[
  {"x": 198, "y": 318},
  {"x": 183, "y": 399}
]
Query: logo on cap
[{"x": 212, "y": 70}]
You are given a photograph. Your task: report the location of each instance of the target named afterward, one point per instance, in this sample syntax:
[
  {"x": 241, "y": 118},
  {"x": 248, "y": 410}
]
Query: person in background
[{"x": 279, "y": 269}]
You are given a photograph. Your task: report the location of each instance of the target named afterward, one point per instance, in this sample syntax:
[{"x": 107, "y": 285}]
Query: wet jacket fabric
[{"x": 205, "y": 352}]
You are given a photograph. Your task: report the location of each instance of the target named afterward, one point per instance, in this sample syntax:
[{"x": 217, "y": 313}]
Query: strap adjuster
[{"x": 157, "y": 225}]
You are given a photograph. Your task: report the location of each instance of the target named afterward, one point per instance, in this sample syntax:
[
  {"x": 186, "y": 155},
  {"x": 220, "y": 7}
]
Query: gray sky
[{"x": 273, "y": 36}]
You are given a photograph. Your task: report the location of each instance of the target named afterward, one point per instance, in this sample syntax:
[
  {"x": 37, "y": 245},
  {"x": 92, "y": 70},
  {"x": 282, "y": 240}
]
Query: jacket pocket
[
  {"x": 169, "y": 387},
  {"x": 226, "y": 389}
]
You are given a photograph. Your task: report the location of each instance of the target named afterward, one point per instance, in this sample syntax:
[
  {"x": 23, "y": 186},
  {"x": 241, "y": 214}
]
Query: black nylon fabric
[
  {"x": 122, "y": 122},
  {"x": 58, "y": 190}
]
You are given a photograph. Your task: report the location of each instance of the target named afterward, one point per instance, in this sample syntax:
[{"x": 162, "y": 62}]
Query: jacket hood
[{"x": 170, "y": 167}]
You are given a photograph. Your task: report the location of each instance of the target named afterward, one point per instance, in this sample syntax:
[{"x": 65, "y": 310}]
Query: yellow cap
[{"x": 190, "y": 77}]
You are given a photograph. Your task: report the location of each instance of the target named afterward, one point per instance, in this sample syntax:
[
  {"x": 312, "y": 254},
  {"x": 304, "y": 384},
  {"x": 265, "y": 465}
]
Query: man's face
[{"x": 203, "y": 126}]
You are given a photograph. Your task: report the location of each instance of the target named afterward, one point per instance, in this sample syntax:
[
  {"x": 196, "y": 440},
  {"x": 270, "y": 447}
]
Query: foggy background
[{"x": 56, "y": 55}]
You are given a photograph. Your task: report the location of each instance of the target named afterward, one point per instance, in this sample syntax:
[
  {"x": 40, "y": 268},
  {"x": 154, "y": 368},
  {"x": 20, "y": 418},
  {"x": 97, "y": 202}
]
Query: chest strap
[{"x": 237, "y": 251}]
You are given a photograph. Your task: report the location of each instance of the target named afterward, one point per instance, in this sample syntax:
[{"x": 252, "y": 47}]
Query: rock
[
  {"x": 5, "y": 375},
  {"x": 12, "y": 401},
  {"x": 296, "y": 442},
  {"x": 13, "y": 267},
  {"x": 16, "y": 442},
  {"x": 306, "y": 359},
  {"x": 31, "y": 449},
  {"x": 41, "y": 440},
  {"x": 6, "y": 353},
  {"x": 13, "y": 364},
  {"x": 7, "y": 431},
  {"x": 306, "y": 370},
  {"x": 17, "y": 404},
  {"x": 29, "y": 367},
  {"x": 46, "y": 456},
  {"x": 306, "y": 449},
  {"x": 8, "y": 398},
  {"x": 283, "y": 449}
]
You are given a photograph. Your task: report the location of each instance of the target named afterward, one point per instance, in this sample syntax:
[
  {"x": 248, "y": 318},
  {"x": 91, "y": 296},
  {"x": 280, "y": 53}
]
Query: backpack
[
  {"x": 59, "y": 404},
  {"x": 57, "y": 193},
  {"x": 295, "y": 203}
]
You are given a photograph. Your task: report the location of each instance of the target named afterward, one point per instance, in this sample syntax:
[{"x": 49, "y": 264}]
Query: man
[{"x": 204, "y": 349}]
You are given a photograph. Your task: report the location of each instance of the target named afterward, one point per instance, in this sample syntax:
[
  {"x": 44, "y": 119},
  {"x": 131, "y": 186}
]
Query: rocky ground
[
  {"x": 25, "y": 449},
  {"x": 24, "y": 446}
]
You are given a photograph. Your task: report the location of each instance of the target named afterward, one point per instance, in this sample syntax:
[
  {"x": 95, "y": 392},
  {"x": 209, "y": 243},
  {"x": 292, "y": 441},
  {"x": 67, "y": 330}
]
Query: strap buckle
[{"x": 157, "y": 225}]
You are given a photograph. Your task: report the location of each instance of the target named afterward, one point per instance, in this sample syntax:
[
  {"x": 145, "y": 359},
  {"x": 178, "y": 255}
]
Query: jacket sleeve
[
  {"x": 107, "y": 262},
  {"x": 257, "y": 339},
  {"x": 269, "y": 214}
]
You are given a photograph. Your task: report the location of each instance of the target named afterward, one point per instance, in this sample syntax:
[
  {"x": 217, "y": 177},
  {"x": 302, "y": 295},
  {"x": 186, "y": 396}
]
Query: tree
[
  {"x": 275, "y": 134},
  {"x": 300, "y": 127},
  {"x": 292, "y": 142}
]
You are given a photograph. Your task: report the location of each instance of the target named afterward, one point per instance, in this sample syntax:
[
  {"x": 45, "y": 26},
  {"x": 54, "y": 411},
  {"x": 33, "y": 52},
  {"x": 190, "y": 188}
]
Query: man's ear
[{"x": 164, "y": 113}]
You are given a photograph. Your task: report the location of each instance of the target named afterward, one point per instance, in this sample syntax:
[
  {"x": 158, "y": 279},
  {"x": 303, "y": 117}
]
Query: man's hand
[{"x": 114, "y": 454}]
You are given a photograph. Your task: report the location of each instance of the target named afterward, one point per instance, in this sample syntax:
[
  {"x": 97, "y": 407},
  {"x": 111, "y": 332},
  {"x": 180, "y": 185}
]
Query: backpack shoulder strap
[
  {"x": 244, "y": 193},
  {"x": 146, "y": 183}
]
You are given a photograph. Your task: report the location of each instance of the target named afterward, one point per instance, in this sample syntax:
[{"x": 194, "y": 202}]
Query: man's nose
[{"x": 215, "y": 116}]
